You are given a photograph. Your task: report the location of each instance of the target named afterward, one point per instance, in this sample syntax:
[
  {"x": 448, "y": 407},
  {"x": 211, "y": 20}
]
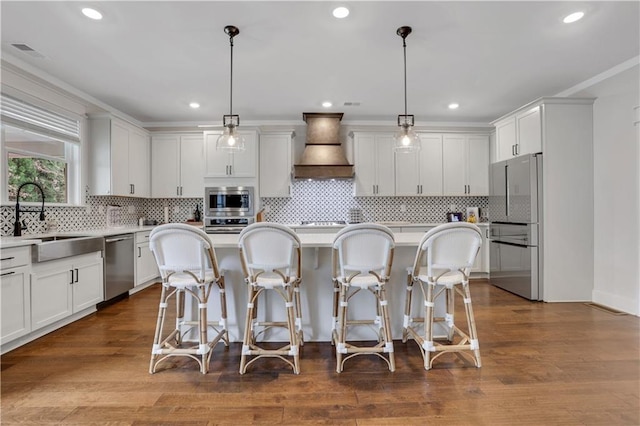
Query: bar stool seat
[{"x": 188, "y": 267}]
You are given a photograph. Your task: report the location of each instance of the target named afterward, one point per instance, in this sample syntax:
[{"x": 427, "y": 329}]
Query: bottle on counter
[{"x": 196, "y": 214}]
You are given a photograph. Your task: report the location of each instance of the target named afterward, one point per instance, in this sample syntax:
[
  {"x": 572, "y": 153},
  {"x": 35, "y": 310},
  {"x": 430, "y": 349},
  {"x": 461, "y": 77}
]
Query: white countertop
[{"x": 28, "y": 239}]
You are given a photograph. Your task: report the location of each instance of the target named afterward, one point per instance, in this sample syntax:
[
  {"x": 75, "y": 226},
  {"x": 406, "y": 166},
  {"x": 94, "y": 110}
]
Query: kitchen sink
[{"x": 60, "y": 246}]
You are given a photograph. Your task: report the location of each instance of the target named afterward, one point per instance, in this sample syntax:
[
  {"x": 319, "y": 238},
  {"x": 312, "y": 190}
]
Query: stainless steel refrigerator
[{"x": 515, "y": 211}]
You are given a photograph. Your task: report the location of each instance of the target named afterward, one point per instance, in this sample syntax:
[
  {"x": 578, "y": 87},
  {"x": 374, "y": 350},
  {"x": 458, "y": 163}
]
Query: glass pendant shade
[
  {"x": 406, "y": 140},
  {"x": 231, "y": 140}
]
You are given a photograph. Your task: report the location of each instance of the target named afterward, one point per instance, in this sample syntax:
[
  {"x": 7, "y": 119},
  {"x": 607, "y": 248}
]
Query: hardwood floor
[{"x": 543, "y": 364}]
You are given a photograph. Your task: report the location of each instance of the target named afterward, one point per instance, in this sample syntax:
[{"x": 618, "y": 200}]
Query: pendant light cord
[
  {"x": 404, "y": 47},
  {"x": 231, "y": 84}
]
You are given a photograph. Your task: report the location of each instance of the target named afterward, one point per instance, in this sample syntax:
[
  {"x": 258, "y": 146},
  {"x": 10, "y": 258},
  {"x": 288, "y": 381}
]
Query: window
[{"x": 41, "y": 147}]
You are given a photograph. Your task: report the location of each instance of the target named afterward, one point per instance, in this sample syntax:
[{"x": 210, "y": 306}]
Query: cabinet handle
[
  {"x": 517, "y": 149},
  {"x": 181, "y": 191},
  {"x": 177, "y": 190},
  {"x": 77, "y": 275},
  {"x": 8, "y": 258},
  {"x": 71, "y": 270},
  {"x": 7, "y": 273},
  {"x": 139, "y": 252}
]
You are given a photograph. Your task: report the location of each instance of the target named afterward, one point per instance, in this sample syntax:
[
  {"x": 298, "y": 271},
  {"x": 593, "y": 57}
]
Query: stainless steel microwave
[{"x": 228, "y": 201}]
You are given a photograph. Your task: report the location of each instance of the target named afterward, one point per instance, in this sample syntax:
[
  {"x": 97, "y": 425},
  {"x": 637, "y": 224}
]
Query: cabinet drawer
[
  {"x": 19, "y": 256},
  {"x": 142, "y": 237}
]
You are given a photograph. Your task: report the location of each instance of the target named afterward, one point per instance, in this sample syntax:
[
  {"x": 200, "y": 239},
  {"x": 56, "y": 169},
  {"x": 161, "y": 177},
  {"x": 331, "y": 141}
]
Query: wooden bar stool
[
  {"x": 188, "y": 266},
  {"x": 442, "y": 265},
  {"x": 270, "y": 255},
  {"x": 362, "y": 258}
]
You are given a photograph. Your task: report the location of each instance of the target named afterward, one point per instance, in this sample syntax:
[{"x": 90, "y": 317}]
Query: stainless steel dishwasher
[{"x": 118, "y": 270}]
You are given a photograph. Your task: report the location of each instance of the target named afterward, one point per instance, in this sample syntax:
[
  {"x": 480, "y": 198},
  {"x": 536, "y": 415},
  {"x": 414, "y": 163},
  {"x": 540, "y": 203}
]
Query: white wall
[{"x": 616, "y": 191}]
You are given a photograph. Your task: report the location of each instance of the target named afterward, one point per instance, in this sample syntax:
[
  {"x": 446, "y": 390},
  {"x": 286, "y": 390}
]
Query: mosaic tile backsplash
[{"x": 310, "y": 200}]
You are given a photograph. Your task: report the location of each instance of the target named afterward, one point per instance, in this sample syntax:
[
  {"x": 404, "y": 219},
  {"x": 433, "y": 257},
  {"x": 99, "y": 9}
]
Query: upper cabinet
[
  {"x": 374, "y": 164},
  {"x": 220, "y": 164},
  {"x": 519, "y": 133},
  {"x": 465, "y": 164},
  {"x": 119, "y": 158},
  {"x": 177, "y": 165},
  {"x": 276, "y": 160},
  {"x": 421, "y": 173}
]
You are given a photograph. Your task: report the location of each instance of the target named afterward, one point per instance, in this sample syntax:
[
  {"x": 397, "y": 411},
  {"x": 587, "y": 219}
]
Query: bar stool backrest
[
  {"x": 267, "y": 246},
  {"x": 362, "y": 248},
  {"x": 450, "y": 246},
  {"x": 178, "y": 247}
]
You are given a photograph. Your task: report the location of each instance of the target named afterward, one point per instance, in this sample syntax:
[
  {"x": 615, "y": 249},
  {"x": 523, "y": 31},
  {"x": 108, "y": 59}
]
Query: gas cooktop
[{"x": 323, "y": 222}]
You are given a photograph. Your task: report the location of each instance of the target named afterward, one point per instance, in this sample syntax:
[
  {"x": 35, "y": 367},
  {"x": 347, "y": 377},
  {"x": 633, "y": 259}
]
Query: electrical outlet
[
  {"x": 266, "y": 208},
  {"x": 176, "y": 209},
  {"x": 403, "y": 208},
  {"x": 452, "y": 207},
  {"x": 131, "y": 209},
  {"x": 87, "y": 209}
]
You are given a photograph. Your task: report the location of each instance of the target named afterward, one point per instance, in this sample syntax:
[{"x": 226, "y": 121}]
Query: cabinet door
[
  {"x": 478, "y": 165},
  {"x": 139, "y": 156},
  {"x": 120, "y": 159},
  {"x": 51, "y": 298},
  {"x": 454, "y": 164},
  {"x": 15, "y": 298},
  {"x": 505, "y": 139},
  {"x": 243, "y": 163},
  {"x": 408, "y": 169},
  {"x": 275, "y": 165},
  {"x": 146, "y": 267},
  {"x": 88, "y": 285},
  {"x": 365, "y": 165},
  {"x": 529, "y": 132},
  {"x": 431, "y": 165},
  {"x": 191, "y": 166},
  {"x": 216, "y": 162},
  {"x": 385, "y": 170},
  {"x": 165, "y": 166}
]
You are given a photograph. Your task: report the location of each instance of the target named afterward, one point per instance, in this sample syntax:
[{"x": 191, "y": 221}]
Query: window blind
[{"x": 35, "y": 119}]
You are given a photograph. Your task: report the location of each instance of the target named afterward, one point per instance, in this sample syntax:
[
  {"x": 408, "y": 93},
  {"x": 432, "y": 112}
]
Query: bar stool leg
[
  {"x": 342, "y": 326},
  {"x": 248, "y": 328},
  {"x": 223, "y": 310},
  {"x": 427, "y": 345},
  {"x": 294, "y": 347},
  {"x": 471, "y": 322},
  {"x": 386, "y": 327},
  {"x": 407, "y": 309},
  {"x": 162, "y": 308}
]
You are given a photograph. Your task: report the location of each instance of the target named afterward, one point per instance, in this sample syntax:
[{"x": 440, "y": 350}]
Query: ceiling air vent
[
  {"x": 351, "y": 103},
  {"x": 25, "y": 48}
]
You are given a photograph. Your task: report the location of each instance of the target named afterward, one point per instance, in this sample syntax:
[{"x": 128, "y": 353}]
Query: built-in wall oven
[{"x": 228, "y": 209}]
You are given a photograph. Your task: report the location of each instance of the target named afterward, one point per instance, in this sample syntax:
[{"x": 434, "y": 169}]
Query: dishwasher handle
[{"x": 118, "y": 238}]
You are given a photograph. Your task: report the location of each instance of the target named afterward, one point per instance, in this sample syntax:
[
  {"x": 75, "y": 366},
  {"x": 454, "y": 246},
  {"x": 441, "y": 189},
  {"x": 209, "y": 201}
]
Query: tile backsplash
[{"x": 310, "y": 200}]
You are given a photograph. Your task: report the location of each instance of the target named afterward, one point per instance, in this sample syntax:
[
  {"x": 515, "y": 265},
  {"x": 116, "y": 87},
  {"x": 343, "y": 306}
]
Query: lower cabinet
[
  {"x": 146, "y": 266},
  {"x": 60, "y": 288},
  {"x": 15, "y": 294}
]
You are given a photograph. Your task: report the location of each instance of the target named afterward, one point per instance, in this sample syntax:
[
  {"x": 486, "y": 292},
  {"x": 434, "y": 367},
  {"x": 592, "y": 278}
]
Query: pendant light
[
  {"x": 406, "y": 139},
  {"x": 231, "y": 140}
]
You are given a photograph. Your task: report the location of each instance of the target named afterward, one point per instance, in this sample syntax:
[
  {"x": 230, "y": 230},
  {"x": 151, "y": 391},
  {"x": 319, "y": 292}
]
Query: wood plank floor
[{"x": 543, "y": 364}]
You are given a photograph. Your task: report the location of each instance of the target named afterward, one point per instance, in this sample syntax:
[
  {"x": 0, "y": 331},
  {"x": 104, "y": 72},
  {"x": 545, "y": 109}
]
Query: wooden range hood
[{"x": 323, "y": 157}]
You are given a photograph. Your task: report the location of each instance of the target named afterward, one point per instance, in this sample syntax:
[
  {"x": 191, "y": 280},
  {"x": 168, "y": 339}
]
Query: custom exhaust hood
[{"x": 323, "y": 157}]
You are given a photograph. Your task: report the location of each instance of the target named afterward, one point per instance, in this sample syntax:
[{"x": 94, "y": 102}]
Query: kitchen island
[{"x": 316, "y": 288}]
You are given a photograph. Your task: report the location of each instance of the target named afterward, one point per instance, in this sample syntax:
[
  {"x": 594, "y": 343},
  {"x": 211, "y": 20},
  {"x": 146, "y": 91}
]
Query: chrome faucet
[{"x": 17, "y": 227}]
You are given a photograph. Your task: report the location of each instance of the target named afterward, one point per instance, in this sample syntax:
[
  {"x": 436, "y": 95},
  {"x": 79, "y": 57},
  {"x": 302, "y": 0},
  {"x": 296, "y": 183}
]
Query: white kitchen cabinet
[
  {"x": 374, "y": 164},
  {"x": 146, "y": 266},
  {"x": 481, "y": 263},
  {"x": 276, "y": 160},
  {"x": 519, "y": 133},
  {"x": 119, "y": 158},
  {"x": 465, "y": 164},
  {"x": 220, "y": 164},
  {"x": 177, "y": 165},
  {"x": 60, "y": 288},
  {"x": 421, "y": 173},
  {"x": 15, "y": 293}
]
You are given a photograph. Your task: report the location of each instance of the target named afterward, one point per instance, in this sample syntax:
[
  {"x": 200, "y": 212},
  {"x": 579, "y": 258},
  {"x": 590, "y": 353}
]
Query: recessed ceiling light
[
  {"x": 327, "y": 104},
  {"x": 576, "y": 16},
  {"x": 453, "y": 105},
  {"x": 194, "y": 105},
  {"x": 340, "y": 12},
  {"x": 91, "y": 13}
]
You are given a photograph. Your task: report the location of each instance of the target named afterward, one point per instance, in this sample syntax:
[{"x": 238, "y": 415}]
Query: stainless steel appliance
[
  {"x": 228, "y": 209},
  {"x": 515, "y": 209},
  {"x": 118, "y": 269}
]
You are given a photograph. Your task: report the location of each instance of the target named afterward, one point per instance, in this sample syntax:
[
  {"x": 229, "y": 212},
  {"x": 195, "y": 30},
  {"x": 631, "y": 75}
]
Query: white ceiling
[{"x": 150, "y": 59}]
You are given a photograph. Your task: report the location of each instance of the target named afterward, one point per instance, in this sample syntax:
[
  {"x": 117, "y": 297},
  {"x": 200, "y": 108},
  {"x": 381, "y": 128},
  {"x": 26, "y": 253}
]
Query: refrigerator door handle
[{"x": 506, "y": 188}]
